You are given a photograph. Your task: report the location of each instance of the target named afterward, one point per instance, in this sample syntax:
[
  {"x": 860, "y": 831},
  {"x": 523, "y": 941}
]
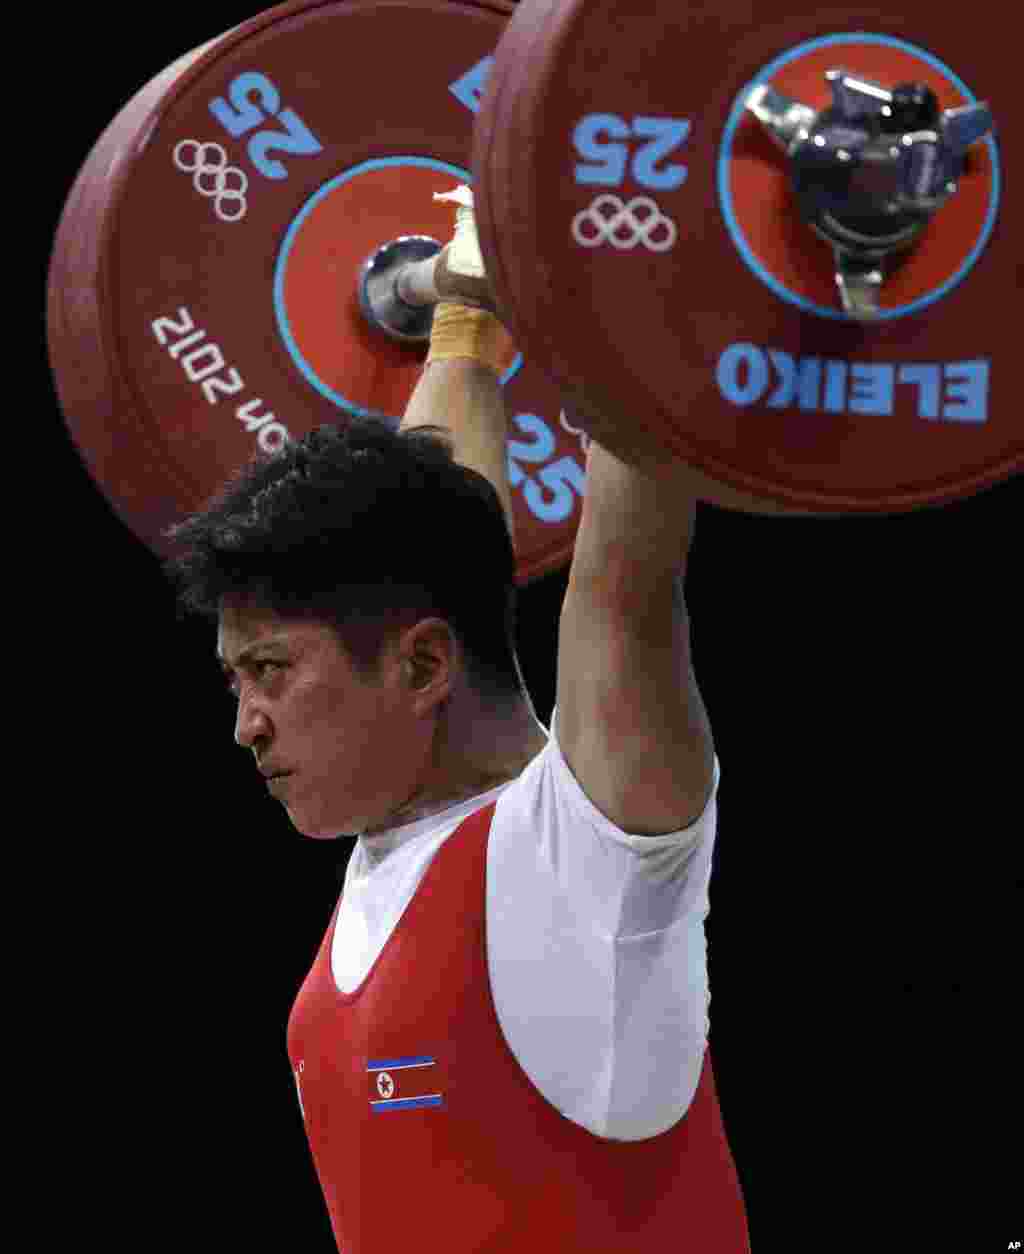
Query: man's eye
[{"x": 261, "y": 669}]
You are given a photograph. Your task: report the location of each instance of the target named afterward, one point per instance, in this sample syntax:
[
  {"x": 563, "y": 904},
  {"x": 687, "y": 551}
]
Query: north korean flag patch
[{"x": 403, "y": 1083}]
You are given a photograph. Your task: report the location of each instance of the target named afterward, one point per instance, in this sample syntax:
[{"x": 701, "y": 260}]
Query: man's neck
[{"x": 494, "y": 749}]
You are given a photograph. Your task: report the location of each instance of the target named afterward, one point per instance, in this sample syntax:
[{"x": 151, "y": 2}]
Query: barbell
[{"x": 771, "y": 246}]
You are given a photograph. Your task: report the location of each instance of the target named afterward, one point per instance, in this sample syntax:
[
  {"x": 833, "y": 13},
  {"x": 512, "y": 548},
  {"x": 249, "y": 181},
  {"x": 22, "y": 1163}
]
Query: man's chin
[
  {"x": 328, "y": 835},
  {"x": 314, "y": 830}
]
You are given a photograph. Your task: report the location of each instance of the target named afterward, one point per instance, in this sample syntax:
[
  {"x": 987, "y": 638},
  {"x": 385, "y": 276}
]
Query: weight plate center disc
[
  {"x": 756, "y": 196},
  {"x": 315, "y": 302}
]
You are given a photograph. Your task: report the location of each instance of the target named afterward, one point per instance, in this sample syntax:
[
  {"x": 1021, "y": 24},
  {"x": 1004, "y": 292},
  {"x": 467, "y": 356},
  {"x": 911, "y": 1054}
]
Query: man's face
[{"x": 351, "y": 748}]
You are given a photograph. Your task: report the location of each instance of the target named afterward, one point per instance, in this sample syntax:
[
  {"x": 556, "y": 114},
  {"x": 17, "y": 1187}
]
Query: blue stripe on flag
[
  {"x": 392, "y": 1064},
  {"x": 405, "y": 1103}
]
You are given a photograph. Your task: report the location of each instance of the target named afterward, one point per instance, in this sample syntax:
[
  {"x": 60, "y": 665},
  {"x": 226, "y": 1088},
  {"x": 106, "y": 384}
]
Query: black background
[{"x": 863, "y": 679}]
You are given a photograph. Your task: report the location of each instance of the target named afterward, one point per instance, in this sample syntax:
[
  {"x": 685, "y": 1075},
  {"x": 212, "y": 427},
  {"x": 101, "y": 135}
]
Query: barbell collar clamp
[
  {"x": 860, "y": 284},
  {"x": 395, "y": 288},
  {"x": 870, "y": 170},
  {"x": 783, "y": 118}
]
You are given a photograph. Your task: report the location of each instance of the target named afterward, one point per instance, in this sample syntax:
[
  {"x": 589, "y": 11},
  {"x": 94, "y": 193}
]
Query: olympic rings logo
[
  {"x": 213, "y": 179},
  {"x": 604, "y": 220}
]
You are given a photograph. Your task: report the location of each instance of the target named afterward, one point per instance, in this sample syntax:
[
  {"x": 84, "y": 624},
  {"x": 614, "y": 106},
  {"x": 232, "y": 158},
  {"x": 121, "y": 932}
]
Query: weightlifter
[{"x": 502, "y": 1043}]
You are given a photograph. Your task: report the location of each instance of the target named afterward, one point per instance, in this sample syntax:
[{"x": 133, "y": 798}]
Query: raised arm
[
  {"x": 463, "y": 397},
  {"x": 631, "y": 721},
  {"x": 459, "y": 389}
]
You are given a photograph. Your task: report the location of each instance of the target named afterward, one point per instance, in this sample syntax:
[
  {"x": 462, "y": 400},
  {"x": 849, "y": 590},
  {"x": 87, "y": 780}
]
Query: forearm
[
  {"x": 635, "y": 532},
  {"x": 465, "y": 398}
]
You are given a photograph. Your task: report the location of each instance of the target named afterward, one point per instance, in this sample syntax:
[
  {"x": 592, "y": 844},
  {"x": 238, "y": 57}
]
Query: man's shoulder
[{"x": 547, "y": 794}]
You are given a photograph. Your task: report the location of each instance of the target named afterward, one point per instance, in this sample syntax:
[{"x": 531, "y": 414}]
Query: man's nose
[{"x": 251, "y": 723}]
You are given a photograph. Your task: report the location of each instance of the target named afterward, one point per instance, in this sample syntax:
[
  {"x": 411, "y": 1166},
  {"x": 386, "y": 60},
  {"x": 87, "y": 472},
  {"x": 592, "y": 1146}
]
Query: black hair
[{"x": 368, "y": 529}]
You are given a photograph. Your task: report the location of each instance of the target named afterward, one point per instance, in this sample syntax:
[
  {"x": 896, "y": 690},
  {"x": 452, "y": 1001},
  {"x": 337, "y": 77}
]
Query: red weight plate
[
  {"x": 706, "y": 320},
  {"x": 202, "y": 299}
]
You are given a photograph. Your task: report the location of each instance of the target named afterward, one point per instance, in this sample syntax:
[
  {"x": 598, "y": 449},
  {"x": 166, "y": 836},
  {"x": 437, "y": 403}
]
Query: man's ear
[
  {"x": 431, "y": 651},
  {"x": 418, "y": 672}
]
